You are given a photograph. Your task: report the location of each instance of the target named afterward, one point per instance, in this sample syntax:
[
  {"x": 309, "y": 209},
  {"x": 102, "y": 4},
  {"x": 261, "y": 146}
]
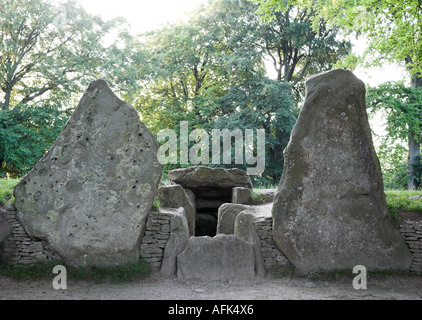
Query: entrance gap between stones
[{"x": 208, "y": 200}]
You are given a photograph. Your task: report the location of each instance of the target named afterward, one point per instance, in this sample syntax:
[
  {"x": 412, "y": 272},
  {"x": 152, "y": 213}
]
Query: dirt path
[{"x": 158, "y": 288}]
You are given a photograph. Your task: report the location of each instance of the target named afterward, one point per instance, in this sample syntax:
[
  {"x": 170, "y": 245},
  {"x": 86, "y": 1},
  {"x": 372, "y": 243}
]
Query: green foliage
[
  {"x": 393, "y": 29},
  {"x": 156, "y": 205},
  {"x": 393, "y": 159},
  {"x": 210, "y": 71},
  {"x": 398, "y": 200},
  {"x": 44, "y": 271},
  {"x": 6, "y": 190},
  {"x": 279, "y": 271},
  {"x": 48, "y": 51},
  {"x": 48, "y": 54},
  {"x": 257, "y": 198},
  {"x": 402, "y": 106},
  {"x": 26, "y": 133},
  {"x": 268, "y": 105}
]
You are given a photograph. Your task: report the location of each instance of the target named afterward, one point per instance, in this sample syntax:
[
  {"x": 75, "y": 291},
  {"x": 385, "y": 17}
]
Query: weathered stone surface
[
  {"x": 227, "y": 214},
  {"x": 241, "y": 195},
  {"x": 221, "y": 258},
  {"x": 174, "y": 196},
  {"x": 179, "y": 236},
  {"x": 5, "y": 228},
  {"x": 194, "y": 177},
  {"x": 212, "y": 187},
  {"x": 245, "y": 229},
  {"x": 330, "y": 210},
  {"x": 89, "y": 196},
  {"x": 417, "y": 197}
]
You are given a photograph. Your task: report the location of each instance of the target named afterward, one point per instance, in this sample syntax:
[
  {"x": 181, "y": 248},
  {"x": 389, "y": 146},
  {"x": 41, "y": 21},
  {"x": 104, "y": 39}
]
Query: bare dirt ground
[{"x": 266, "y": 288}]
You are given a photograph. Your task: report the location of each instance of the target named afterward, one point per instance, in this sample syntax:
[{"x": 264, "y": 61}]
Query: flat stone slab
[
  {"x": 199, "y": 176},
  {"x": 221, "y": 258},
  {"x": 89, "y": 196}
]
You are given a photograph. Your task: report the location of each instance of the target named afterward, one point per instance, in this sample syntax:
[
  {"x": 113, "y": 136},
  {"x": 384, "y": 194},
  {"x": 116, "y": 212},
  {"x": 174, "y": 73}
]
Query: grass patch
[
  {"x": 157, "y": 205},
  {"x": 257, "y": 198},
  {"x": 398, "y": 201},
  {"x": 44, "y": 271},
  {"x": 6, "y": 191},
  {"x": 281, "y": 271}
]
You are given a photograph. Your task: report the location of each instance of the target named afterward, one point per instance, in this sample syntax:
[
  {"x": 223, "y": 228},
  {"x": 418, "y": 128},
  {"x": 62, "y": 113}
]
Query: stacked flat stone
[
  {"x": 272, "y": 256},
  {"x": 20, "y": 248},
  {"x": 157, "y": 233},
  {"x": 412, "y": 233}
]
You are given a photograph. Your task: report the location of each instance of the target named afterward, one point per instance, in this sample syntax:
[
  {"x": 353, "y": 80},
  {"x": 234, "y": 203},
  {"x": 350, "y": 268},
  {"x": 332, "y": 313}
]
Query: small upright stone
[
  {"x": 89, "y": 196},
  {"x": 241, "y": 195},
  {"x": 174, "y": 196},
  {"x": 330, "y": 210}
]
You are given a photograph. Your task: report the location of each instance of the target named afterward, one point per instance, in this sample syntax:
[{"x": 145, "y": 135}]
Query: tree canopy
[
  {"x": 48, "y": 54},
  {"x": 211, "y": 71},
  {"x": 393, "y": 30}
]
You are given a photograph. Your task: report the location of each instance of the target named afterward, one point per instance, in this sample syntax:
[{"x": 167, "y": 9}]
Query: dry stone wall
[
  {"x": 157, "y": 233},
  {"x": 272, "y": 256},
  {"x": 412, "y": 232},
  {"x": 19, "y": 248}
]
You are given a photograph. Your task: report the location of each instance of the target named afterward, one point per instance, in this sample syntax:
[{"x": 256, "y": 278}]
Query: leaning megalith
[
  {"x": 330, "y": 210},
  {"x": 89, "y": 196}
]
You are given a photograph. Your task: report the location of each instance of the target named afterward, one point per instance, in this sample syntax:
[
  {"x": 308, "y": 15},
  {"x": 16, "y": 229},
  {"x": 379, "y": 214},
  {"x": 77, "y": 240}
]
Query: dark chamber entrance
[
  {"x": 208, "y": 200},
  {"x": 206, "y": 223}
]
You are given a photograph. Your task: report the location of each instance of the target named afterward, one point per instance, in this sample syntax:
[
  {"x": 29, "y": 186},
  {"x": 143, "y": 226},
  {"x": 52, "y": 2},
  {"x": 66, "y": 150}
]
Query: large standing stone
[
  {"x": 89, "y": 196},
  {"x": 330, "y": 210}
]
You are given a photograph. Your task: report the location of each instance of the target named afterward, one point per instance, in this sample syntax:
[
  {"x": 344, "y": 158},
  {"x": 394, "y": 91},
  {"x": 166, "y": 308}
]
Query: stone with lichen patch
[
  {"x": 89, "y": 196},
  {"x": 329, "y": 210}
]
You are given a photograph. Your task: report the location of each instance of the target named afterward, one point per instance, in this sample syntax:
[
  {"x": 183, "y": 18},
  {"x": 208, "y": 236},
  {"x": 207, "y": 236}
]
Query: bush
[
  {"x": 6, "y": 191},
  {"x": 26, "y": 133}
]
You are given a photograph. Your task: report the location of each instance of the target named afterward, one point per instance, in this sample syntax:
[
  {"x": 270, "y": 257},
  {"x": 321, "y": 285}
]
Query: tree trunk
[
  {"x": 414, "y": 157},
  {"x": 6, "y": 105}
]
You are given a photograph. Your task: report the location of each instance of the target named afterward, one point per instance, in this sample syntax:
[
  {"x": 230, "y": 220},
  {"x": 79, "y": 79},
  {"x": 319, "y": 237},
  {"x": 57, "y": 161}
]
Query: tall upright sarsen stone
[
  {"x": 89, "y": 196},
  {"x": 330, "y": 211}
]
